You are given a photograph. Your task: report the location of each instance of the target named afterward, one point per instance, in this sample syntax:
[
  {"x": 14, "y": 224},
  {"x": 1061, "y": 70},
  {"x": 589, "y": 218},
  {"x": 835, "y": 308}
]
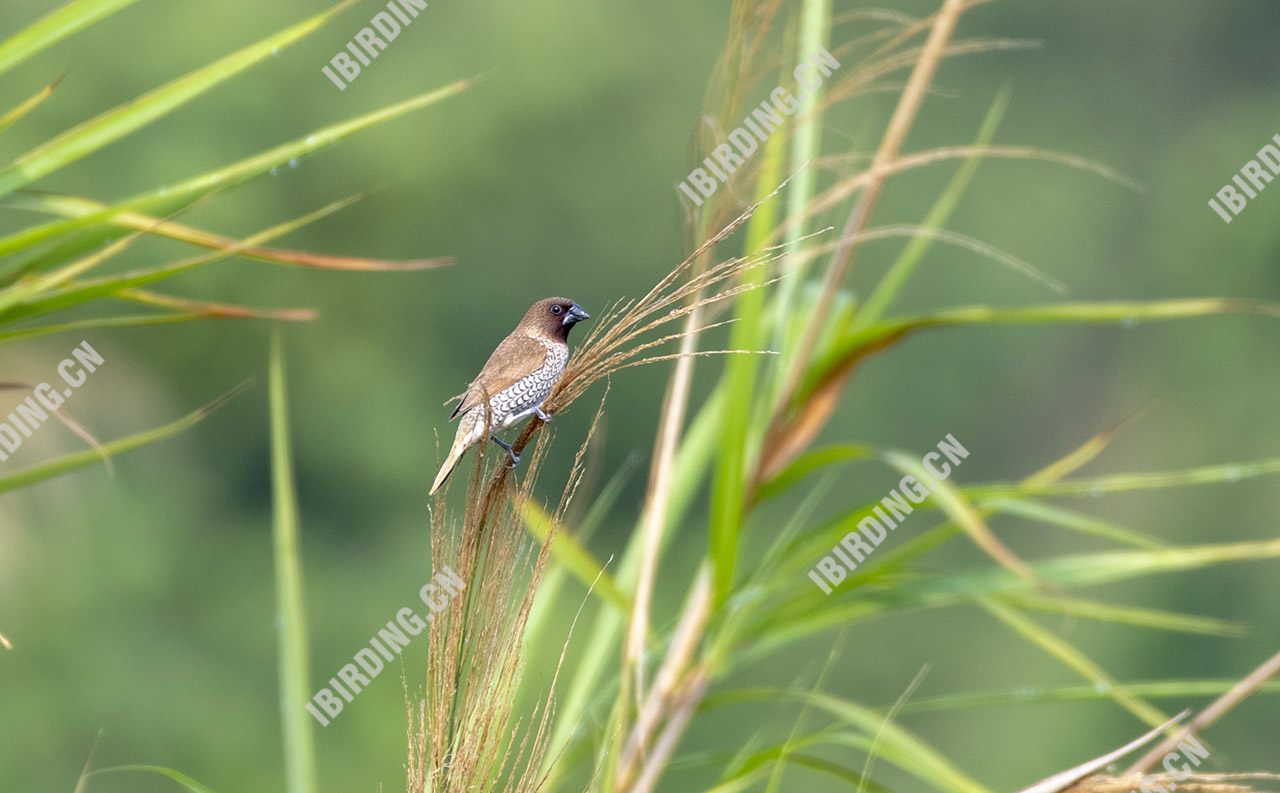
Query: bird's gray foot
[
  {"x": 511, "y": 453},
  {"x": 544, "y": 416}
]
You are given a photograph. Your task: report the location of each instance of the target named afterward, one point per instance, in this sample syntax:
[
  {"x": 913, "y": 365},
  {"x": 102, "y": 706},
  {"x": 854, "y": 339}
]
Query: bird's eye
[{"x": 557, "y": 309}]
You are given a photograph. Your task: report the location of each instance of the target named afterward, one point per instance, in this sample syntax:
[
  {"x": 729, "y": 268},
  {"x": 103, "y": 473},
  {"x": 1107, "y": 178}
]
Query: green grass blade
[
  {"x": 182, "y": 779},
  {"x": 1056, "y": 516},
  {"x": 54, "y": 27},
  {"x": 72, "y": 462},
  {"x": 1074, "y": 659},
  {"x": 128, "y": 321},
  {"x": 24, "y": 290},
  {"x": 1128, "y": 615},
  {"x": 738, "y": 387},
  {"x": 85, "y": 291},
  {"x": 1159, "y": 689},
  {"x": 76, "y": 206},
  {"x": 578, "y": 560},
  {"x": 958, "y": 507},
  {"x": 891, "y": 284},
  {"x": 898, "y": 745},
  {"x": 895, "y": 744},
  {"x": 1120, "y": 483},
  {"x": 692, "y": 461},
  {"x": 806, "y": 145},
  {"x": 167, "y": 199},
  {"x": 28, "y": 105},
  {"x": 114, "y": 124},
  {"x": 555, "y": 575},
  {"x": 854, "y": 346},
  {"x": 299, "y": 753},
  {"x": 811, "y": 462}
]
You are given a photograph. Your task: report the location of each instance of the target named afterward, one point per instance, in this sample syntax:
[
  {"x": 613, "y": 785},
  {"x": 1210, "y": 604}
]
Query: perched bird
[{"x": 516, "y": 379}]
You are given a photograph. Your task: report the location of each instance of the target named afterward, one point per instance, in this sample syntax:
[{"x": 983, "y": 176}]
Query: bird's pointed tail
[{"x": 470, "y": 431}]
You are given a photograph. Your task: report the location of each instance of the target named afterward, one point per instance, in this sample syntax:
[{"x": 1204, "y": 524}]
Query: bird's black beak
[{"x": 575, "y": 315}]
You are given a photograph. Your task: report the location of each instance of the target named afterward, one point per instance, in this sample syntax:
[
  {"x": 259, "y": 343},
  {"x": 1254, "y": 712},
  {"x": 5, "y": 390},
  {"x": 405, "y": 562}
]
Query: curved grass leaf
[
  {"x": 1156, "y": 689},
  {"x": 855, "y": 346},
  {"x": 1076, "y": 660},
  {"x": 84, "y": 291},
  {"x": 182, "y": 779},
  {"x": 575, "y": 558},
  {"x": 293, "y": 668},
  {"x": 1128, "y": 615},
  {"x": 54, "y": 27},
  {"x": 808, "y": 463},
  {"x": 1055, "y": 516},
  {"x": 75, "y": 206},
  {"x": 958, "y": 507},
  {"x": 896, "y": 276},
  {"x": 28, "y": 105},
  {"x": 72, "y": 462},
  {"x": 897, "y": 745},
  {"x": 1119, "y": 483},
  {"x": 174, "y": 196},
  {"x": 124, "y": 119},
  {"x": 138, "y": 320}
]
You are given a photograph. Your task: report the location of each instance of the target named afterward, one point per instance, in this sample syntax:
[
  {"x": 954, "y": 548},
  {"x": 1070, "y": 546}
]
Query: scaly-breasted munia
[{"x": 517, "y": 378}]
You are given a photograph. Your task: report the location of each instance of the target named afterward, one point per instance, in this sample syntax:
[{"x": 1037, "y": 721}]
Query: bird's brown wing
[{"x": 516, "y": 357}]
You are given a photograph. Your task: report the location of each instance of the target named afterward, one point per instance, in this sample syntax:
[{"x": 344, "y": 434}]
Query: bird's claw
[
  {"x": 544, "y": 416},
  {"x": 513, "y": 457}
]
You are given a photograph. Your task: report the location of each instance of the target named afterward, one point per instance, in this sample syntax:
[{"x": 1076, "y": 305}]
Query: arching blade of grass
[
  {"x": 182, "y": 779},
  {"x": 84, "y": 291},
  {"x": 806, "y": 146},
  {"x": 896, "y": 277},
  {"x": 25, "y": 290},
  {"x": 295, "y": 676},
  {"x": 578, "y": 560},
  {"x": 556, "y": 574},
  {"x": 849, "y": 350},
  {"x": 1073, "y": 658},
  {"x": 54, "y": 27},
  {"x": 812, "y": 462},
  {"x": 213, "y": 311},
  {"x": 729, "y": 480},
  {"x": 72, "y": 462},
  {"x": 166, "y": 200},
  {"x": 779, "y": 757},
  {"x": 898, "y": 745},
  {"x": 1056, "y": 516},
  {"x": 959, "y": 508},
  {"x": 1157, "y": 689},
  {"x": 76, "y": 206},
  {"x": 901, "y": 585},
  {"x": 124, "y": 119},
  {"x": 692, "y": 462},
  {"x": 1087, "y": 570},
  {"x": 1119, "y": 483},
  {"x": 28, "y": 105},
  {"x": 1127, "y": 615}
]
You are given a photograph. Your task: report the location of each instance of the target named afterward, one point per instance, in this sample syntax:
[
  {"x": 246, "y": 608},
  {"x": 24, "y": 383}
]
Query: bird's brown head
[{"x": 553, "y": 318}]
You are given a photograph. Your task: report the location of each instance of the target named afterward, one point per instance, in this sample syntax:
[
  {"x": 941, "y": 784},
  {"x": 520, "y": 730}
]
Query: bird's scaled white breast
[{"x": 522, "y": 397}]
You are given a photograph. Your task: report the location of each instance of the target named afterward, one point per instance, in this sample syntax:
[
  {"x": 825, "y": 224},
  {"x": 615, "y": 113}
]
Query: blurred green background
[{"x": 141, "y": 604}]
